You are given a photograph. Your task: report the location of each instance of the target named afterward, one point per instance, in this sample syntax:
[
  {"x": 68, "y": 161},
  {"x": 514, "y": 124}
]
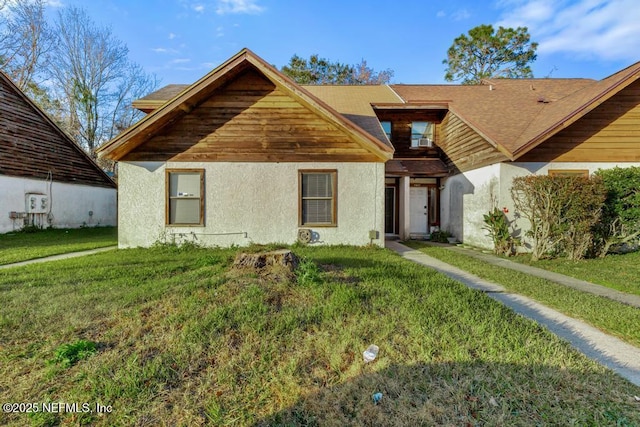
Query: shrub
[
  {"x": 562, "y": 212},
  {"x": 440, "y": 236},
  {"x": 620, "y": 222},
  {"x": 497, "y": 225}
]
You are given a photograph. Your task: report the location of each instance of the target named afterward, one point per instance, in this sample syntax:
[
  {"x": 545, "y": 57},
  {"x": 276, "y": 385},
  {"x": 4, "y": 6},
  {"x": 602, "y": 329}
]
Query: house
[
  {"x": 45, "y": 178},
  {"x": 245, "y": 155}
]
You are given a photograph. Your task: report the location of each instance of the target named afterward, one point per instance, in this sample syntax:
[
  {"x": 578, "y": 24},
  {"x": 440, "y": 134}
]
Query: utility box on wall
[{"x": 36, "y": 203}]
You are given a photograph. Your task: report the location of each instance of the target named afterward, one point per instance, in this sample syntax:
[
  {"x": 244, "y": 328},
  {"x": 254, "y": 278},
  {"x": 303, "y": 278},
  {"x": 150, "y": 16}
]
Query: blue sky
[{"x": 181, "y": 40}]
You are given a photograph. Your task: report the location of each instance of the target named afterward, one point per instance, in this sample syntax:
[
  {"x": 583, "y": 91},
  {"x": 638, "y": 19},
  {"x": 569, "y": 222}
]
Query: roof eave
[
  {"x": 495, "y": 144},
  {"x": 183, "y": 103},
  {"x": 576, "y": 115}
]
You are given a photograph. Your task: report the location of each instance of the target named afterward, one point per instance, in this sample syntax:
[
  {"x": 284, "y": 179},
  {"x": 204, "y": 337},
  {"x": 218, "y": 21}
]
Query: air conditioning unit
[
  {"x": 425, "y": 142},
  {"x": 304, "y": 235},
  {"x": 36, "y": 203}
]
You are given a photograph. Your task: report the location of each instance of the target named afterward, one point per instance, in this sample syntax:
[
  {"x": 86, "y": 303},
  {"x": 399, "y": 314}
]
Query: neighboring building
[
  {"x": 45, "y": 178},
  {"x": 246, "y": 155}
]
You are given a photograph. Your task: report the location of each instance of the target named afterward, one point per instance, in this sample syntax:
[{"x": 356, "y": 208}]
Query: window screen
[
  {"x": 318, "y": 198},
  {"x": 184, "y": 204},
  {"x": 421, "y": 131}
]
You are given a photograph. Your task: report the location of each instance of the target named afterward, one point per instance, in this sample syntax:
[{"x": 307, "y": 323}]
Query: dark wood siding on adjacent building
[
  {"x": 32, "y": 147},
  {"x": 251, "y": 120},
  {"x": 609, "y": 133},
  {"x": 464, "y": 148},
  {"x": 401, "y": 131}
]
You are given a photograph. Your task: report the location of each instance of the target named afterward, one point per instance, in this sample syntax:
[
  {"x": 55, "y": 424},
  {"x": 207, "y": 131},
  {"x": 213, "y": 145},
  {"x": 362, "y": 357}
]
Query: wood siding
[
  {"x": 609, "y": 133},
  {"x": 464, "y": 149},
  {"x": 31, "y": 147},
  {"x": 251, "y": 120},
  {"x": 401, "y": 131}
]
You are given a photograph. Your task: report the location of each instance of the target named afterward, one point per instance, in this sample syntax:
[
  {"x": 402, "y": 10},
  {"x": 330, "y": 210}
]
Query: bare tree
[
  {"x": 91, "y": 71},
  {"x": 25, "y": 39}
]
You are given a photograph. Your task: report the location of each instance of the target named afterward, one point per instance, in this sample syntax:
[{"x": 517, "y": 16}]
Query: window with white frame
[
  {"x": 422, "y": 134},
  {"x": 185, "y": 197}
]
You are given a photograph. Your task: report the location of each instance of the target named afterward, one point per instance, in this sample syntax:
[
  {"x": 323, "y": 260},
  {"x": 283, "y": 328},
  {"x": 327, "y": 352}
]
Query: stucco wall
[
  {"x": 466, "y": 197},
  {"x": 70, "y": 204},
  {"x": 249, "y": 203}
]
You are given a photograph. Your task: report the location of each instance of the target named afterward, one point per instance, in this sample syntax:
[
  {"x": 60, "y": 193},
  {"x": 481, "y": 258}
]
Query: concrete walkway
[
  {"x": 58, "y": 257},
  {"x": 581, "y": 285},
  {"x": 611, "y": 352}
]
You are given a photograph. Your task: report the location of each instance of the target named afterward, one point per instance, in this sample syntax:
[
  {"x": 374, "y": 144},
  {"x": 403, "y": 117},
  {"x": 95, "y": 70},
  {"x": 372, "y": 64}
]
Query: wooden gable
[
  {"x": 251, "y": 119},
  {"x": 609, "y": 133},
  {"x": 32, "y": 146},
  {"x": 464, "y": 148}
]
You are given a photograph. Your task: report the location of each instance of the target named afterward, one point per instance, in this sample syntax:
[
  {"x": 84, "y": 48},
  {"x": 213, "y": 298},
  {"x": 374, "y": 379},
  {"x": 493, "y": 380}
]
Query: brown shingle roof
[
  {"x": 515, "y": 115},
  {"x": 500, "y": 110},
  {"x": 182, "y": 103},
  {"x": 354, "y": 103}
]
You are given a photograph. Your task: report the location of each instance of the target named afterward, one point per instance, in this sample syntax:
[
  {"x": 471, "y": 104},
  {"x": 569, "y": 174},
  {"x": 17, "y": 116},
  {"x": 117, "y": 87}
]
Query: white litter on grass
[{"x": 370, "y": 353}]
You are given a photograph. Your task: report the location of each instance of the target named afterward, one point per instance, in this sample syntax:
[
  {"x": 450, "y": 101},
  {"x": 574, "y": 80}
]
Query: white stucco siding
[
  {"x": 466, "y": 197},
  {"x": 70, "y": 204},
  {"x": 509, "y": 171},
  {"x": 250, "y": 203}
]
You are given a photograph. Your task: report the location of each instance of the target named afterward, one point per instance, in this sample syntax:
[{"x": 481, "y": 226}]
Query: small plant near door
[
  {"x": 497, "y": 225},
  {"x": 440, "y": 236}
]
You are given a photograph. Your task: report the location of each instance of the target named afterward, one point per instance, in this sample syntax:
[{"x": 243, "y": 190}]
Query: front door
[
  {"x": 418, "y": 210},
  {"x": 390, "y": 210}
]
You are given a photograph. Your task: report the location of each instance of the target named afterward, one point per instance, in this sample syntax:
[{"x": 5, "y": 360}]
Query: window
[
  {"x": 318, "y": 197},
  {"x": 569, "y": 172},
  {"x": 386, "y": 127},
  {"x": 185, "y": 197},
  {"x": 422, "y": 134}
]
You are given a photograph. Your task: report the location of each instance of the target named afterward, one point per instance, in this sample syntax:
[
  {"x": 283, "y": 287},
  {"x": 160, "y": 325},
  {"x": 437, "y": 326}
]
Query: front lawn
[
  {"x": 612, "y": 317},
  {"x": 182, "y": 339},
  {"x": 21, "y": 246},
  {"x": 620, "y": 272}
]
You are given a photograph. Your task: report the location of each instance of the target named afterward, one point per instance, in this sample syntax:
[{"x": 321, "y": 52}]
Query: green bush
[
  {"x": 621, "y": 211},
  {"x": 562, "y": 212},
  {"x": 497, "y": 224},
  {"x": 440, "y": 236}
]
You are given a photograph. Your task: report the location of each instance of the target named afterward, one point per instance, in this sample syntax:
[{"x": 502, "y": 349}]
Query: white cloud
[
  {"x": 180, "y": 61},
  {"x": 460, "y": 15},
  {"x": 220, "y": 32},
  {"x": 605, "y": 29},
  {"x": 171, "y": 36},
  {"x": 163, "y": 50},
  {"x": 198, "y": 8},
  {"x": 238, "y": 6},
  {"x": 441, "y": 14}
]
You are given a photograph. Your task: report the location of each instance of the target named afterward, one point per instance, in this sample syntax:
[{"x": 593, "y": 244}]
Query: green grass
[
  {"x": 183, "y": 339},
  {"x": 607, "y": 315},
  {"x": 620, "y": 272},
  {"x": 22, "y": 246}
]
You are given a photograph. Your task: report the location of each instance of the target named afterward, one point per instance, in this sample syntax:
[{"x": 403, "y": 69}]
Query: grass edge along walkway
[
  {"x": 572, "y": 282},
  {"x": 609, "y": 351},
  {"x": 58, "y": 257}
]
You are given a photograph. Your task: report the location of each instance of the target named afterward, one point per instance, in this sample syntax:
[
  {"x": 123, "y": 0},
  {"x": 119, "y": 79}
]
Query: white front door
[{"x": 418, "y": 210}]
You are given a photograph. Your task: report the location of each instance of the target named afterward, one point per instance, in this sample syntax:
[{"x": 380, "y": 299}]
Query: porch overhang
[{"x": 416, "y": 167}]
